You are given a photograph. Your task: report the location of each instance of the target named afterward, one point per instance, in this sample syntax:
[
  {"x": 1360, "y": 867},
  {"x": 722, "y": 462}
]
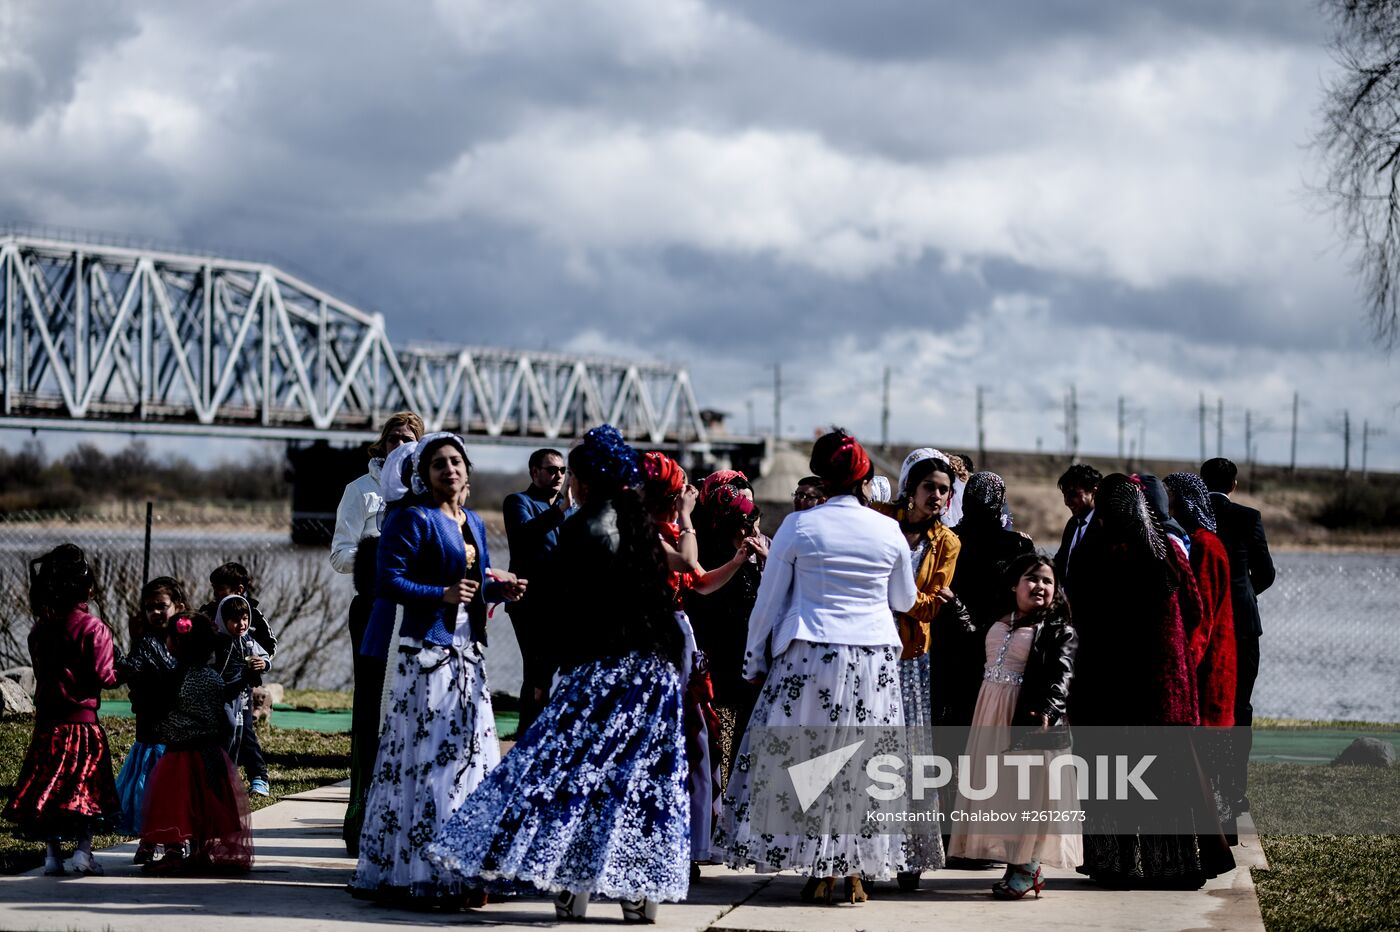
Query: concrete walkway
[{"x": 300, "y": 872}]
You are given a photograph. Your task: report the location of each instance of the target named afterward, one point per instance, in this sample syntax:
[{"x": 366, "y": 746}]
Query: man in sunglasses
[
  {"x": 532, "y": 530},
  {"x": 809, "y": 494}
]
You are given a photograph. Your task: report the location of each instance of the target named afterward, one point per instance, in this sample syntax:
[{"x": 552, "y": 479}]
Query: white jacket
[
  {"x": 356, "y": 518},
  {"x": 834, "y": 574}
]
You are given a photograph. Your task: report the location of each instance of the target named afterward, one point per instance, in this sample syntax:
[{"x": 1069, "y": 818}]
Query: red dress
[
  {"x": 194, "y": 794},
  {"x": 1213, "y": 640},
  {"x": 65, "y": 787}
]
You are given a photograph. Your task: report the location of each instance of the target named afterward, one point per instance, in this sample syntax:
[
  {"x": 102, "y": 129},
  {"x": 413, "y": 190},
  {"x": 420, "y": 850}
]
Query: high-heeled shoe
[
  {"x": 819, "y": 890},
  {"x": 642, "y": 910},
  {"x": 571, "y": 907},
  {"x": 908, "y": 881},
  {"x": 1001, "y": 890},
  {"x": 855, "y": 891}
]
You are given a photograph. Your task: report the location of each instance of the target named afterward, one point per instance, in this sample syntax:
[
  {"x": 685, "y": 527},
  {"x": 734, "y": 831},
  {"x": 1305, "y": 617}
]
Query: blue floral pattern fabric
[
  {"x": 439, "y": 742},
  {"x": 592, "y": 799}
]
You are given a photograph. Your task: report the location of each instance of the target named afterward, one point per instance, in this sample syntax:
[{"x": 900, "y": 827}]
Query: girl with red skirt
[
  {"x": 195, "y": 804},
  {"x": 65, "y": 789}
]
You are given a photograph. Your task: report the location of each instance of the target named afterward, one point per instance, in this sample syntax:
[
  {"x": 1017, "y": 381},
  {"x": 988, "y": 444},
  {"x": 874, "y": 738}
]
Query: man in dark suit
[
  {"x": 533, "y": 518},
  {"x": 1241, "y": 529},
  {"x": 1078, "y": 486}
]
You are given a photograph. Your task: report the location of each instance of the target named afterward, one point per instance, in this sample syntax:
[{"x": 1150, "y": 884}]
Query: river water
[{"x": 1331, "y": 645}]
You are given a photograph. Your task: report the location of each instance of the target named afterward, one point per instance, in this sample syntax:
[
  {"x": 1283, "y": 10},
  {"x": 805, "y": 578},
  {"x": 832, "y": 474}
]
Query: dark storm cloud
[
  {"x": 881, "y": 30},
  {"x": 43, "y": 47}
]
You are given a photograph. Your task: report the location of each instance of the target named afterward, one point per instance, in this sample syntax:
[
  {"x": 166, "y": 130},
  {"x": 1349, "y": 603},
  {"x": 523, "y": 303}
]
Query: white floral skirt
[
  {"x": 835, "y": 686},
  {"x": 439, "y": 742}
]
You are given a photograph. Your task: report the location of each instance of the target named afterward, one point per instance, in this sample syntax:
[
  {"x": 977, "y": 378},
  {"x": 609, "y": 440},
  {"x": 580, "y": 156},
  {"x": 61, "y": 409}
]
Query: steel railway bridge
[
  {"x": 122, "y": 339},
  {"x": 129, "y": 340}
]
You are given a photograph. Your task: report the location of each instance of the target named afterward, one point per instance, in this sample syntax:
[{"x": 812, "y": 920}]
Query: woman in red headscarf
[
  {"x": 823, "y": 642},
  {"x": 670, "y": 500}
]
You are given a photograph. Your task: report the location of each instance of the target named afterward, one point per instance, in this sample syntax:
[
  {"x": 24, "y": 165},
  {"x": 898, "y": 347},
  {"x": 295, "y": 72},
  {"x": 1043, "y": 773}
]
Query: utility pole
[
  {"x": 1249, "y": 446},
  {"x": 1121, "y": 416},
  {"x": 1365, "y": 445},
  {"x": 1074, "y": 424},
  {"x": 749, "y": 403},
  {"x": 1248, "y": 436},
  {"x": 1293, "y": 442},
  {"x": 777, "y": 401},
  {"x": 1367, "y": 432},
  {"x": 1219, "y": 426},
  {"x": 1346, "y": 444},
  {"x": 885, "y": 413},
  {"x": 1201, "y": 419},
  {"x": 981, "y": 429}
]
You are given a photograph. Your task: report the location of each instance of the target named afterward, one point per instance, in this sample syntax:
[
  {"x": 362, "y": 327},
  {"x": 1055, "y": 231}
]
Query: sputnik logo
[{"x": 811, "y": 778}]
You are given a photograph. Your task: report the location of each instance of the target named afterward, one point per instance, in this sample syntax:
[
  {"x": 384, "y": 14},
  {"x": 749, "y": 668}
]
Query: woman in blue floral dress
[{"x": 592, "y": 801}]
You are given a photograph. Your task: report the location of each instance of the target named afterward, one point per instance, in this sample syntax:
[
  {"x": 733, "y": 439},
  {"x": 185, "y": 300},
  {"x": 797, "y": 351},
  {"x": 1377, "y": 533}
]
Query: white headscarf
[
  {"x": 391, "y": 484},
  {"x": 880, "y": 489},
  {"x": 923, "y": 453},
  {"x": 419, "y": 486}
]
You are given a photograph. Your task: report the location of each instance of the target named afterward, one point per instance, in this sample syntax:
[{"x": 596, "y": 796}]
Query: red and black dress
[
  {"x": 65, "y": 788},
  {"x": 194, "y": 794}
]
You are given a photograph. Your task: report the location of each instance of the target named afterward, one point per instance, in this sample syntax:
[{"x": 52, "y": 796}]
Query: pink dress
[{"x": 1056, "y": 844}]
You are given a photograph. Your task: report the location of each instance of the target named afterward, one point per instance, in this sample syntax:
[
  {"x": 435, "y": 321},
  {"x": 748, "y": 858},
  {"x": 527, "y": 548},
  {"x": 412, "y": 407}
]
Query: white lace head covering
[
  {"x": 392, "y": 486},
  {"x": 880, "y": 489},
  {"x": 419, "y": 486},
  {"x": 923, "y": 453}
]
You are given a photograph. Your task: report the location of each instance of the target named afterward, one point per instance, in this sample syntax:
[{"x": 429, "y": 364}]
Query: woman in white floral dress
[
  {"x": 833, "y": 575},
  {"x": 439, "y": 738}
]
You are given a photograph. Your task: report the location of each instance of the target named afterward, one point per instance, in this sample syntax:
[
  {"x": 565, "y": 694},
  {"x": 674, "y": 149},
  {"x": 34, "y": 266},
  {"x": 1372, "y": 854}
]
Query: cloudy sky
[{"x": 1019, "y": 194}]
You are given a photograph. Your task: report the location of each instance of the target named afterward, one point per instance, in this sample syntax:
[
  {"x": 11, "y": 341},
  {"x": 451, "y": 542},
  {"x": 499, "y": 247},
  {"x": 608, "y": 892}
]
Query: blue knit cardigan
[{"x": 421, "y": 552}]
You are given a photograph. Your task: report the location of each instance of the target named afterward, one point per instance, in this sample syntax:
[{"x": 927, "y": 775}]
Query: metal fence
[
  {"x": 305, "y": 600},
  {"x": 1330, "y": 651}
]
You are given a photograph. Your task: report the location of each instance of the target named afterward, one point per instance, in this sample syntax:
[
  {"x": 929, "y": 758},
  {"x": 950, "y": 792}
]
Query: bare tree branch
[{"x": 1360, "y": 144}]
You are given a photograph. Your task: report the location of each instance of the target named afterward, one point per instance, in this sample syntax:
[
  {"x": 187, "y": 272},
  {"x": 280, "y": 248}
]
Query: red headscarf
[
  {"x": 718, "y": 480},
  {"x": 664, "y": 475},
  {"x": 728, "y": 498},
  {"x": 847, "y": 465}
]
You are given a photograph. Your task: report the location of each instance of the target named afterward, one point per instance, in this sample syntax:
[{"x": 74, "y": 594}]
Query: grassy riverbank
[{"x": 297, "y": 761}]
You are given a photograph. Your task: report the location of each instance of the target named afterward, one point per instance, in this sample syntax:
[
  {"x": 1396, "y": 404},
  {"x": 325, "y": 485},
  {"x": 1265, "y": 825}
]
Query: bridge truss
[{"x": 113, "y": 338}]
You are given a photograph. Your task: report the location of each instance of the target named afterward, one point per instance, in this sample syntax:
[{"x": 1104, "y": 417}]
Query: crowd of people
[
  {"x": 662, "y": 632},
  {"x": 190, "y": 677}
]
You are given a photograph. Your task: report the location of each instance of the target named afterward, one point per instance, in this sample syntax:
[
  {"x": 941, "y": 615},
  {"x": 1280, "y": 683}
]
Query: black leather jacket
[{"x": 1045, "y": 684}]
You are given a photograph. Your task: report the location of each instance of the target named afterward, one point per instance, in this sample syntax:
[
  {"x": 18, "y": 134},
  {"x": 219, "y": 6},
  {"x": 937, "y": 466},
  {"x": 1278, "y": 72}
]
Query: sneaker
[
  {"x": 53, "y": 867},
  {"x": 145, "y": 854},
  {"x": 85, "y": 865},
  {"x": 258, "y": 787}
]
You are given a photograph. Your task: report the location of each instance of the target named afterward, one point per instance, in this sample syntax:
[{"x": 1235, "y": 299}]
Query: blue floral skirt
[
  {"x": 592, "y": 799},
  {"x": 131, "y": 784}
]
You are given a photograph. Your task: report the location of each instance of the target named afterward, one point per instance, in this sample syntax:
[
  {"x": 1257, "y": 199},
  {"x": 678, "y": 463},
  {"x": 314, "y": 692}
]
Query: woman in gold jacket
[{"x": 925, "y": 485}]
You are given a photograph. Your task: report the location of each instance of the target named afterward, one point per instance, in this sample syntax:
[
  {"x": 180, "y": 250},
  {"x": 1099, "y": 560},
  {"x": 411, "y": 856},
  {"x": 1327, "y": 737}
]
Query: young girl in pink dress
[
  {"x": 65, "y": 789},
  {"x": 1025, "y": 688}
]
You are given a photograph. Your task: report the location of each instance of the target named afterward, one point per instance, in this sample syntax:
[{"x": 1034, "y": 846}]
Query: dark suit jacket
[
  {"x": 1241, "y": 529},
  {"x": 1062, "y": 567}
]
